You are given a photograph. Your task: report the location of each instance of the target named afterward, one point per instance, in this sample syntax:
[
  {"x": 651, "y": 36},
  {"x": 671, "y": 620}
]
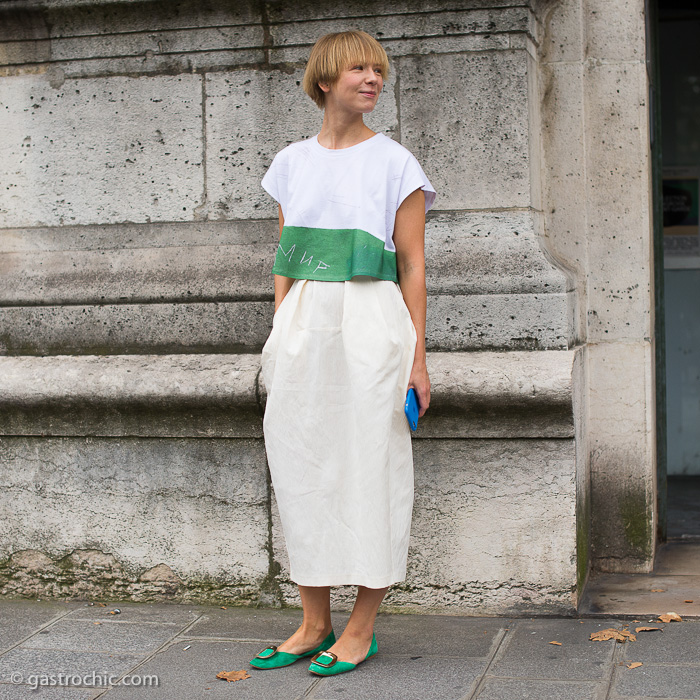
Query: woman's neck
[{"x": 342, "y": 131}]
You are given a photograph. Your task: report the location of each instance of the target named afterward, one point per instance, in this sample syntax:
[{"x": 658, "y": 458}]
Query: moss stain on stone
[
  {"x": 91, "y": 574},
  {"x": 636, "y": 519},
  {"x": 583, "y": 543}
]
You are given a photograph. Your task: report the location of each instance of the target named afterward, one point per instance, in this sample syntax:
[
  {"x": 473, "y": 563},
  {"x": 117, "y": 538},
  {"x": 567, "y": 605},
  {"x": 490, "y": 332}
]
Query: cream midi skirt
[{"x": 336, "y": 368}]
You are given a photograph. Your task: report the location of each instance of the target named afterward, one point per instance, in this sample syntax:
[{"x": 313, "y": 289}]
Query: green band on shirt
[{"x": 332, "y": 255}]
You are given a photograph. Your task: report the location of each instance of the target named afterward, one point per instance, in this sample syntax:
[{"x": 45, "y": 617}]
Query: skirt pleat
[{"x": 336, "y": 368}]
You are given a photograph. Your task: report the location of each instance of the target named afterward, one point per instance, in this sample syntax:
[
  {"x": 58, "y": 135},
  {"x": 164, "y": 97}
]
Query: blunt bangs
[{"x": 333, "y": 53}]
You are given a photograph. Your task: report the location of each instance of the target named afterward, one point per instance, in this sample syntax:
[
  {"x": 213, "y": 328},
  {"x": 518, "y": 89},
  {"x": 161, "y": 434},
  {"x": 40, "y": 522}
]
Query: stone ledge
[
  {"x": 474, "y": 395},
  {"x": 500, "y": 395},
  {"x": 138, "y": 395},
  {"x": 466, "y": 253}
]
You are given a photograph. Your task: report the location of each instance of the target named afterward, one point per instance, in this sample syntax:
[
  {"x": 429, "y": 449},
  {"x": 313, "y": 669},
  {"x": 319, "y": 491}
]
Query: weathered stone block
[
  {"x": 69, "y": 18},
  {"x": 622, "y": 435},
  {"x": 164, "y": 41},
  {"x": 565, "y": 230},
  {"x": 471, "y": 139},
  {"x": 486, "y": 394},
  {"x": 476, "y": 501},
  {"x": 117, "y": 508},
  {"x": 408, "y": 46},
  {"x": 176, "y": 273},
  {"x": 425, "y": 24},
  {"x": 328, "y": 9},
  {"x": 618, "y": 204},
  {"x": 135, "y": 328},
  {"x": 487, "y": 253},
  {"x": 563, "y": 36},
  {"x": 497, "y": 321},
  {"x": 474, "y": 253},
  {"x": 492, "y": 394},
  {"x": 615, "y": 31},
  {"x": 473, "y": 547},
  {"x": 72, "y": 154},
  {"x": 147, "y": 395},
  {"x": 137, "y": 236}
]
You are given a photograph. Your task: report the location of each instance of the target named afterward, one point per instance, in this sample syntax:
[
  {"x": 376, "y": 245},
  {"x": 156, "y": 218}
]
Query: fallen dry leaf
[
  {"x": 635, "y": 664},
  {"x": 670, "y": 617},
  {"x": 647, "y": 629},
  {"x": 223, "y": 607},
  {"x": 232, "y": 676},
  {"x": 611, "y": 633},
  {"x": 658, "y": 590},
  {"x": 557, "y": 643}
]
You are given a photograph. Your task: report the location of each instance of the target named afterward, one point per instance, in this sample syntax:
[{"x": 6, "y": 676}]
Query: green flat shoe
[
  {"x": 326, "y": 663},
  {"x": 269, "y": 657}
]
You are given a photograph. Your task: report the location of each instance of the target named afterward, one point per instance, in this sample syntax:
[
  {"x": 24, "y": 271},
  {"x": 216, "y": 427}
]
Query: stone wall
[
  {"x": 135, "y": 295},
  {"x": 144, "y": 477}
]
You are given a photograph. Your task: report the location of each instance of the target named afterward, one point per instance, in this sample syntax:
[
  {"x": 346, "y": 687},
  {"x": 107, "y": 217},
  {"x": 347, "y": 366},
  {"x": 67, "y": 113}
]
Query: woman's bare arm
[
  {"x": 409, "y": 239},
  {"x": 282, "y": 284}
]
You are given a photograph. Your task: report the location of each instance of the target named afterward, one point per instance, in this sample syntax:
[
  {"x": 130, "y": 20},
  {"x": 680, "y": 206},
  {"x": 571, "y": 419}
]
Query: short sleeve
[
  {"x": 414, "y": 178},
  {"x": 275, "y": 180}
]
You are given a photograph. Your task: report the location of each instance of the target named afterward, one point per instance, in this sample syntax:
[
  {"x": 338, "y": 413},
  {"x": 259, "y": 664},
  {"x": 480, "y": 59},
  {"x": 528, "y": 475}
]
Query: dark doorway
[{"x": 679, "y": 87}]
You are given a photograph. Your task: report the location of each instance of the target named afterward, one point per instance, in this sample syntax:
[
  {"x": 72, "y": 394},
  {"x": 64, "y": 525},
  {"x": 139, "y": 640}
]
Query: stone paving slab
[
  {"x": 512, "y": 688},
  {"x": 271, "y": 626},
  {"x": 20, "y": 618},
  {"x": 404, "y": 678},
  {"x": 27, "y": 663},
  {"x": 138, "y": 612},
  {"x": 23, "y": 692},
  {"x": 409, "y": 635},
  {"x": 527, "y": 653},
  {"x": 676, "y": 643},
  {"x": 658, "y": 681},
  {"x": 86, "y": 635},
  {"x": 625, "y": 594},
  {"x": 420, "y": 656},
  {"x": 436, "y": 635},
  {"x": 190, "y": 674}
]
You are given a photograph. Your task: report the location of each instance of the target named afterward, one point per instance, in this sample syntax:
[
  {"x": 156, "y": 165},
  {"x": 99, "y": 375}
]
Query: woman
[{"x": 346, "y": 344}]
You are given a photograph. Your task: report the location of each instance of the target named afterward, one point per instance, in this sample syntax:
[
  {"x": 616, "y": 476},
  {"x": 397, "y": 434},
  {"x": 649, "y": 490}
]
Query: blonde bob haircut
[{"x": 334, "y": 53}]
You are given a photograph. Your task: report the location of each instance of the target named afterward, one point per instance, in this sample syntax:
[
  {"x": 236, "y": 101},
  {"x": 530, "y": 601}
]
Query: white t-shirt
[{"x": 339, "y": 207}]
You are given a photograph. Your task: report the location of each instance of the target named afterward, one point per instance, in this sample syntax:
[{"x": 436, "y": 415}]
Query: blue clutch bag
[{"x": 411, "y": 409}]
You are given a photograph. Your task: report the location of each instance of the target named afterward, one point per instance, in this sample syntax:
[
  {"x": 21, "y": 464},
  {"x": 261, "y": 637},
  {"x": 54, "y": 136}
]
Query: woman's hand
[
  {"x": 420, "y": 381},
  {"x": 409, "y": 237}
]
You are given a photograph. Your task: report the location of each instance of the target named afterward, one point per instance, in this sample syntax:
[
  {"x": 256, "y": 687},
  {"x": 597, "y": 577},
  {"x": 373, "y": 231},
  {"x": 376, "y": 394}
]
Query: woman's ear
[{"x": 325, "y": 87}]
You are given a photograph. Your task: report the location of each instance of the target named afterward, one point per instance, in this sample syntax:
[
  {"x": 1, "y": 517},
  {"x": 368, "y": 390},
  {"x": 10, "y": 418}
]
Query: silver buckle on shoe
[
  {"x": 326, "y": 653},
  {"x": 259, "y": 655}
]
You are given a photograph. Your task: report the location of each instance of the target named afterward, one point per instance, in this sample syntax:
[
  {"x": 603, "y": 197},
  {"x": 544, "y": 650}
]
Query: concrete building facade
[{"x": 135, "y": 293}]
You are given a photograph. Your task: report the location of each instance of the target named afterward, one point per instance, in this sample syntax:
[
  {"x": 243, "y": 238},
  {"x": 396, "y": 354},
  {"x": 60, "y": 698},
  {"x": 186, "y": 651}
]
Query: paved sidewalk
[{"x": 421, "y": 657}]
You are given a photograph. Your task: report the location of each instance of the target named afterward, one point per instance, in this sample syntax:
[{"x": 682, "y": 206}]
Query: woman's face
[{"x": 357, "y": 88}]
